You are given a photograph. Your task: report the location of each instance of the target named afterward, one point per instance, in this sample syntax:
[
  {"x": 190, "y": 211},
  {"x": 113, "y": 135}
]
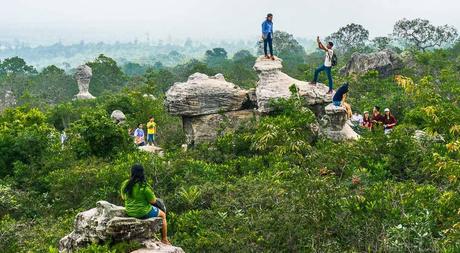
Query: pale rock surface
[
  {"x": 204, "y": 128},
  {"x": 7, "y": 100},
  {"x": 118, "y": 117},
  {"x": 274, "y": 84},
  {"x": 385, "y": 62},
  {"x": 202, "y": 95},
  {"x": 109, "y": 222},
  {"x": 152, "y": 149},
  {"x": 83, "y": 77},
  {"x": 334, "y": 124}
]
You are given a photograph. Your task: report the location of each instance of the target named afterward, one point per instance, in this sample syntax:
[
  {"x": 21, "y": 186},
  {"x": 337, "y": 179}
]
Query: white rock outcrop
[
  {"x": 274, "y": 84},
  {"x": 83, "y": 77},
  {"x": 118, "y": 117},
  {"x": 202, "y": 95},
  {"x": 334, "y": 124},
  {"x": 385, "y": 62},
  {"x": 108, "y": 222}
]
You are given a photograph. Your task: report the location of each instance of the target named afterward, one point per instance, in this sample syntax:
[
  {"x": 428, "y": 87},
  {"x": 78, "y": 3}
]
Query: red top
[
  {"x": 366, "y": 123},
  {"x": 389, "y": 121}
]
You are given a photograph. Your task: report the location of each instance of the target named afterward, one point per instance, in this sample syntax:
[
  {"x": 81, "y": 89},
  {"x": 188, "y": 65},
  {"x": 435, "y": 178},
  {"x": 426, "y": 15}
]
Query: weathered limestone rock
[
  {"x": 152, "y": 149},
  {"x": 83, "y": 77},
  {"x": 334, "y": 124},
  {"x": 385, "y": 62},
  {"x": 118, "y": 117},
  {"x": 7, "y": 100},
  {"x": 109, "y": 222},
  {"x": 274, "y": 84},
  {"x": 423, "y": 137},
  {"x": 200, "y": 129},
  {"x": 202, "y": 95}
]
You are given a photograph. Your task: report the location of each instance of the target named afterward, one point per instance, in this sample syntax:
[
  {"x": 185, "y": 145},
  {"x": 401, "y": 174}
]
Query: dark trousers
[
  {"x": 328, "y": 73},
  {"x": 268, "y": 42}
]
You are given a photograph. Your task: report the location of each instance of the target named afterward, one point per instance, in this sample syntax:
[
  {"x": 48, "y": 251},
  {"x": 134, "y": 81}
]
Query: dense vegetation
[{"x": 270, "y": 186}]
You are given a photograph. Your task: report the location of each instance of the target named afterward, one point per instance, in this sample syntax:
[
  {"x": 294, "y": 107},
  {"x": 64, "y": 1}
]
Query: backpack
[{"x": 334, "y": 60}]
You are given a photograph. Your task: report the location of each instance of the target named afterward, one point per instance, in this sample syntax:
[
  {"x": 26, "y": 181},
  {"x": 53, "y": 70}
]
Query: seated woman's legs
[
  {"x": 348, "y": 108},
  {"x": 164, "y": 229}
]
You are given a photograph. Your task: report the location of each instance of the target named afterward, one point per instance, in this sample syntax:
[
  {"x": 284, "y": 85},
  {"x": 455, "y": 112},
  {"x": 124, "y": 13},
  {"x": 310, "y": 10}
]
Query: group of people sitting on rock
[
  {"x": 330, "y": 59},
  {"x": 139, "y": 134},
  {"x": 387, "y": 120}
]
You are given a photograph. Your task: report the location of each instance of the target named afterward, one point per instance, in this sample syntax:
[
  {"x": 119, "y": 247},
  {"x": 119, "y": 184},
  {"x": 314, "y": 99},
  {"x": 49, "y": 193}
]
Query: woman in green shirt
[{"x": 139, "y": 199}]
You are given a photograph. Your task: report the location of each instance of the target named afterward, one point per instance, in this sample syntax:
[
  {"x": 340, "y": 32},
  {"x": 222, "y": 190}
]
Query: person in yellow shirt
[{"x": 151, "y": 130}]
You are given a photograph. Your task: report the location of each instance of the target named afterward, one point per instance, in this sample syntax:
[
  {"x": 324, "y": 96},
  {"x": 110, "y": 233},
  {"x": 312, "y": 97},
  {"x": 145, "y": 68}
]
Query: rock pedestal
[
  {"x": 108, "y": 222},
  {"x": 118, "y": 117},
  {"x": 209, "y": 105},
  {"x": 385, "y": 62},
  {"x": 334, "y": 124},
  {"x": 274, "y": 84},
  {"x": 83, "y": 77}
]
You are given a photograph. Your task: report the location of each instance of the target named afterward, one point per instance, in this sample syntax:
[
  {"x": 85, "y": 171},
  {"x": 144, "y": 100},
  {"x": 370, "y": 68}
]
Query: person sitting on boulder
[
  {"x": 340, "y": 97},
  {"x": 139, "y": 199},
  {"x": 151, "y": 131},
  {"x": 389, "y": 121},
  {"x": 366, "y": 122},
  {"x": 377, "y": 118},
  {"x": 139, "y": 136},
  {"x": 327, "y": 65},
  {"x": 267, "y": 36}
]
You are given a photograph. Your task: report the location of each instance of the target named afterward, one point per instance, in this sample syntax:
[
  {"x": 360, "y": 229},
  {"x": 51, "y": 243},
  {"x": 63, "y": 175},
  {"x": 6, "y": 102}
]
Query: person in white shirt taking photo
[{"x": 329, "y": 61}]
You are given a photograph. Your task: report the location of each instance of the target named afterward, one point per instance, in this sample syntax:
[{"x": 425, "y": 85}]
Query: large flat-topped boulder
[
  {"x": 109, "y": 223},
  {"x": 274, "y": 84},
  {"x": 385, "y": 62},
  {"x": 335, "y": 126},
  {"x": 202, "y": 95},
  {"x": 205, "y": 128}
]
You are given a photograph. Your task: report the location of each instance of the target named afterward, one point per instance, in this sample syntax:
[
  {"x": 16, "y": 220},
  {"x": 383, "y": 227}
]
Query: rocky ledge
[
  {"x": 386, "y": 62},
  {"x": 334, "y": 124},
  {"x": 108, "y": 222}
]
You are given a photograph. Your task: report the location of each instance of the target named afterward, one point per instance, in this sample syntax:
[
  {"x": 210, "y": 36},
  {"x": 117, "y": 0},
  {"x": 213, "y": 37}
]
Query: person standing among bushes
[
  {"x": 389, "y": 121},
  {"x": 377, "y": 118},
  {"x": 139, "y": 199},
  {"x": 366, "y": 122},
  {"x": 151, "y": 131},
  {"x": 340, "y": 97},
  {"x": 327, "y": 65},
  {"x": 267, "y": 36},
  {"x": 139, "y": 136}
]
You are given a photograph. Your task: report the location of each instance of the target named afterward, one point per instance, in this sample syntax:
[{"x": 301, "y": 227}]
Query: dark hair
[
  {"x": 269, "y": 15},
  {"x": 377, "y": 108},
  {"x": 137, "y": 176},
  {"x": 139, "y": 125},
  {"x": 151, "y": 117},
  {"x": 330, "y": 43}
]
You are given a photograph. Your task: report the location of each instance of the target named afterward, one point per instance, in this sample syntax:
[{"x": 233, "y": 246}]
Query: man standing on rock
[
  {"x": 267, "y": 36},
  {"x": 327, "y": 66}
]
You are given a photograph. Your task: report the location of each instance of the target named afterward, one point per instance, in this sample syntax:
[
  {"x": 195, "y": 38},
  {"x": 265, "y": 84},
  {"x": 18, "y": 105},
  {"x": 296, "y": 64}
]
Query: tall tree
[
  {"x": 16, "y": 65},
  {"x": 107, "y": 76},
  {"x": 215, "y": 56},
  {"x": 349, "y": 37},
  {"x": 381, "y": 42},
  {"x": 422, "y": 35}
]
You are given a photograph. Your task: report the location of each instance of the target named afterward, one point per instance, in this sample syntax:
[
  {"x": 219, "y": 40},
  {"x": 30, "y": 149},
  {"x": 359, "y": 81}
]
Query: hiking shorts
[{"x": 153, "y": 213}]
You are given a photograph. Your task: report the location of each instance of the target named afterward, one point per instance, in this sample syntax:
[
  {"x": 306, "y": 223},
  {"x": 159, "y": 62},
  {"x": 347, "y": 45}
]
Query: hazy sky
[{"x": 47, "y": 21}]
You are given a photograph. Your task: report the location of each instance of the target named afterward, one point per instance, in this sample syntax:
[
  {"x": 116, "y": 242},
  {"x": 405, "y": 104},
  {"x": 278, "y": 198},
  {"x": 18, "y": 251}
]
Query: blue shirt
[
  {"x": 139, "y": 133},
  {"x": 267, "y": 27},
  {"x": 338, "y": 96}
]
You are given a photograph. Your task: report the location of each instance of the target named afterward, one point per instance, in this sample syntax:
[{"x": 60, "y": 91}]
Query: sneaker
[
  {"x": 312, "y": 82},
  {"x": 267, "y": 57},
  {"x": 330, "y": 92},
  {"x": 273, "y": 57}
]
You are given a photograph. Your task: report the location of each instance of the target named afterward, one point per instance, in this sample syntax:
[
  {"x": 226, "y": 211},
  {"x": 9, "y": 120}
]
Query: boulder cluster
[
  {"x": 109, "y": 223},
  {"x": 210, "y": 105},
  {"x": 386, "y": 62}
]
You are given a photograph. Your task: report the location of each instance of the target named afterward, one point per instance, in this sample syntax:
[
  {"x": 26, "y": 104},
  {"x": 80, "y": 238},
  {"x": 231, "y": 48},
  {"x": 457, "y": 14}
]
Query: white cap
[{"x": 387, "y": 110}]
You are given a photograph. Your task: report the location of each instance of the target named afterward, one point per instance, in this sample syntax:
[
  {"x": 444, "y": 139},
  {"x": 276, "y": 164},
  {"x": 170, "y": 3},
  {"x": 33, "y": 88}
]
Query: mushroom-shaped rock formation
[
  {"x": 204, "y": 102},
  {"x": 108, "y": 222},
  {"x": 83, "y": 77},
  {"x": 385, "y": 62},
  {"x": 334, "y": 124},
  {"x": 274, "y": 84},
  {"x": 203, "y": 95}
]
